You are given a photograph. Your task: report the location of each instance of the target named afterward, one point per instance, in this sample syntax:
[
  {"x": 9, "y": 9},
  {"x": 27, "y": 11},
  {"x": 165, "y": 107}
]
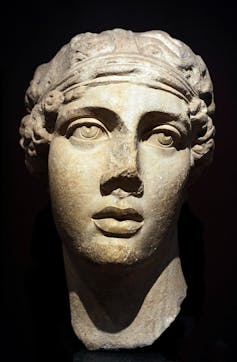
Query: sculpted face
[
  {"x": 118, "y": 124},
  {"x": 119, "y": 162}
]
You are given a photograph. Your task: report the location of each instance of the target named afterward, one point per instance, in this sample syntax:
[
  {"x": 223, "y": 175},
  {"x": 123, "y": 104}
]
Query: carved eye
[
  {"x": 162, "y": 139},
  {"x": 163, "y": 136},
  {"x": 86, "y": 130}
]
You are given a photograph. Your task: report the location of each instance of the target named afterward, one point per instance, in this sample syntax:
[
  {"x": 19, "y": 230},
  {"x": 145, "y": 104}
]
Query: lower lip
[{"x": 123, "y": 228}]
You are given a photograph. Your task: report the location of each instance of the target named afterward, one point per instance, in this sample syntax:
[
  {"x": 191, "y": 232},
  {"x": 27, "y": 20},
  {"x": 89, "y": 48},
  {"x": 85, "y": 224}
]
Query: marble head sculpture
[{"x": 118, "y": 126}]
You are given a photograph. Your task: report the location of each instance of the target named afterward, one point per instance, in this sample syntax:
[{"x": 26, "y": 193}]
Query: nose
[{"x": 122, "y": 178}]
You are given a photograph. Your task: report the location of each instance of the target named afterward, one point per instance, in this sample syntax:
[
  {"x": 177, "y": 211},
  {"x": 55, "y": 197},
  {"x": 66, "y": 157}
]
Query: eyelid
[
  {"x": 84, "y": 121},
  {"x": 162, "y": 127}
]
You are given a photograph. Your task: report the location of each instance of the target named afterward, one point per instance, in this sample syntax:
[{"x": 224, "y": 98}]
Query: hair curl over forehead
[{"x": 153, "y": 58}]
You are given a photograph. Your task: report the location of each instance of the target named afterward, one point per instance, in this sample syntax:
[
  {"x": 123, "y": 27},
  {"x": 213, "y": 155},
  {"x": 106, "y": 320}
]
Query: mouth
[{"x": 116, "y": 222}]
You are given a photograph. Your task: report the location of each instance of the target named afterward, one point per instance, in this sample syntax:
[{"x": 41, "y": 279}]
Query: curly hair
[{"x": 151, "y": 57}]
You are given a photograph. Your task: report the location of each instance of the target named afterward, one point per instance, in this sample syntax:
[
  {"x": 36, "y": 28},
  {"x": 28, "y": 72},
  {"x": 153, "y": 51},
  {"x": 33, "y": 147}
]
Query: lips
[{"x": 113, "y": 221}]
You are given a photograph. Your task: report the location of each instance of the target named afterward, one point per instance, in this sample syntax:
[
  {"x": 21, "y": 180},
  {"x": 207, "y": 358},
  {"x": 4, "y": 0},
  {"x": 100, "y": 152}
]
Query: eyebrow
[
  {"x": 108, "y": 117},
  {"x": 152, "y": 119},
  {"x": 111, "y": 119}
]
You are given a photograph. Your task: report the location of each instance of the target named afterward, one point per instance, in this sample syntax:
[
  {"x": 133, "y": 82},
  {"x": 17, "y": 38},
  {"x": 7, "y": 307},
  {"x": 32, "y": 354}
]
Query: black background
[{"x": 34, "y": 313}]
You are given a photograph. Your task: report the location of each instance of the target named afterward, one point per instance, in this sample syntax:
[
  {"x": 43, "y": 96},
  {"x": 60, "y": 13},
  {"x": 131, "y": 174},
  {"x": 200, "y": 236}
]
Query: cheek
[
  {"x": 165, "y": 174},
  {"x": 74, "y": 168},
  {"x": 74, "y": 179},
  {"x": 165, "y": 177}
]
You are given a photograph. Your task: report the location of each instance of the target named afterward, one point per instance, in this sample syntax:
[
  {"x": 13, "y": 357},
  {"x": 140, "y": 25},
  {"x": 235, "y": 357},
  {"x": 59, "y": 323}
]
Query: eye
[
  {"x": 164, "y": 136},
  {"x": 86, "y": 129},
  {"x": 88, "y": 132},
  {"x": 161, "y": 138}
]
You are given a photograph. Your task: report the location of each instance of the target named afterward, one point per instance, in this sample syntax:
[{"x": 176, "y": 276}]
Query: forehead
[
  {"x": 119, "y": 95},
  {"x": 129, "y": 102}
]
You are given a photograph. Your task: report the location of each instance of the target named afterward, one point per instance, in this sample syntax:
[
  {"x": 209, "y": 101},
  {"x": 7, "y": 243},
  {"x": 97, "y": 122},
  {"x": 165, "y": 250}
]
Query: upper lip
[{"x": 118, "y": 214}]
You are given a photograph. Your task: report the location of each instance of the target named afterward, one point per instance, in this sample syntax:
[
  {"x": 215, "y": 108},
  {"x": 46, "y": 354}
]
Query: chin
[{"x": 113, "y": 251}]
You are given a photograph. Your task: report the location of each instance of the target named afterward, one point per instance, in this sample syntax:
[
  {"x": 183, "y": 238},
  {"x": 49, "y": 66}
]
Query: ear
[
  {"x": 200, "y": 161},
  {"x": 35, "y": 140},
  {"x": 203, "y": 132}
]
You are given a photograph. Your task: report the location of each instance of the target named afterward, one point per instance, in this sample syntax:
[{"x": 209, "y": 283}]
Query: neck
[{"x": 116, "y": 306}]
